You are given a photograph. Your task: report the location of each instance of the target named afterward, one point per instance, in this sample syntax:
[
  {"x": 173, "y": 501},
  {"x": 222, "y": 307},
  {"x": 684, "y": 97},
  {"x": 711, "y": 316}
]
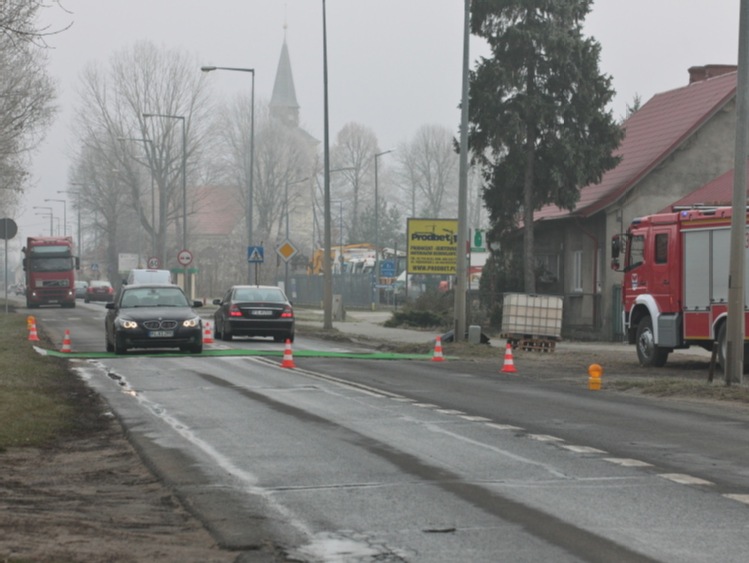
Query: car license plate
[
  {"x": 161, "y": 333},
  {"x": 262, "y": 313}
]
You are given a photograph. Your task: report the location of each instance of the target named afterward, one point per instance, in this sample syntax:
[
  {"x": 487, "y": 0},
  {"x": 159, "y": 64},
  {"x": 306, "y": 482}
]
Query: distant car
[
  {"x": 80, "y": 289},
  {"x": 153, "y": 316},
  {"x": 254, "y": 310},
  {"x": 99, "y": 290}
]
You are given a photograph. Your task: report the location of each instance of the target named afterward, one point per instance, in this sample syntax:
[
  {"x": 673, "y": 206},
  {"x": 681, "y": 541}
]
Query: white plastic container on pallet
[{"x": 532, "y": 315}]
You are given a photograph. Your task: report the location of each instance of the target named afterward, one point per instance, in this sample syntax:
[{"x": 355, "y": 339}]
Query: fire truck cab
[{"x": 675, "y": 286}]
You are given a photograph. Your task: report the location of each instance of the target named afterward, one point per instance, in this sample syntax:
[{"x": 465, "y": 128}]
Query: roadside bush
[{"x": 432, "y": 309}]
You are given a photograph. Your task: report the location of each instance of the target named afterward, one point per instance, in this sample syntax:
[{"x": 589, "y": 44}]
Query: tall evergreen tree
[{"x": 538, "y": 120}]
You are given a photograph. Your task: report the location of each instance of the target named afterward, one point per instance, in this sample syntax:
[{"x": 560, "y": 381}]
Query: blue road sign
[
  {"x": 255, "y": 254},
  {"x": 387, "y": 268}
]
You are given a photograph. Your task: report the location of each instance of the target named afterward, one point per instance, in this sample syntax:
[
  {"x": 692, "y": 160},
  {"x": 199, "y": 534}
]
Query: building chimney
[{"x": 700, "y": 73}]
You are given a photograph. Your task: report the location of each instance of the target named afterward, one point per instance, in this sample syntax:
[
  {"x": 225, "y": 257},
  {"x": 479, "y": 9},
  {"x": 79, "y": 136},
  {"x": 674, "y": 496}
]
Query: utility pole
[{"x": 735, "y": 327}]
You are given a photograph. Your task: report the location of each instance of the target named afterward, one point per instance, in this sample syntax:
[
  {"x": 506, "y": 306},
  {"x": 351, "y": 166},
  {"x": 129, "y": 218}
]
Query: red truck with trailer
[
  {"x": 675, "y": 287},
  {"x": 50, "y": 271}
]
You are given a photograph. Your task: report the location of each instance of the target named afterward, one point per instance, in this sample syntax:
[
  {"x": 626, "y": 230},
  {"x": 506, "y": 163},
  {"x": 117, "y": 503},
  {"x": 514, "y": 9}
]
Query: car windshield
[
  {"x": 154, "y": 297},
  {"x": 267, "y": 295}
]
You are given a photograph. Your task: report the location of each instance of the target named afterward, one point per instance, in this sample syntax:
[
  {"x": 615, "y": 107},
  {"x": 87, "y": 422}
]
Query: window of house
[
  {"x": 661, "y": 248},
  {"x": 547, "y": 266},
  {"x": 577, "y": 271}
]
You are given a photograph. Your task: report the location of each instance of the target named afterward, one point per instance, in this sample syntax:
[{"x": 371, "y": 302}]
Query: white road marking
[
  {"x": 582, "y": 449},
  {"x": 475, "y": 418},
  {"x": 626, "y": 462},
  {"x": 684, "y": 479},
  {"x": 544, "y": 438},
  {"x": 740, "y": 498},
  {"x": 502, "y": 426}
]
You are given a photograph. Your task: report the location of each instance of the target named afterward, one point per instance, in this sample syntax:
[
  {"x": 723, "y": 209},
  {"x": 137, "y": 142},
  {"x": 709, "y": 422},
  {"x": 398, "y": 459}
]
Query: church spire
[{"x": 283, "y": 103}]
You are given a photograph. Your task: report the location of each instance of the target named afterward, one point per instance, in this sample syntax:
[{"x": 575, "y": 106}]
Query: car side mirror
[
  {"x": 109, "y": 305},
  {"x": 197, "y": 303}
]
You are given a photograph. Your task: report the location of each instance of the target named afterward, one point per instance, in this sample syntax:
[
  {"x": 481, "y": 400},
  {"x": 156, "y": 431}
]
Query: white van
[{"x": 148, "y": 276}]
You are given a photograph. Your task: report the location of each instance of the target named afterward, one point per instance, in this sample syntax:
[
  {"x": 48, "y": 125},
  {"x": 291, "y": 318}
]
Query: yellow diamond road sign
[{"x": 286, "y": 250}]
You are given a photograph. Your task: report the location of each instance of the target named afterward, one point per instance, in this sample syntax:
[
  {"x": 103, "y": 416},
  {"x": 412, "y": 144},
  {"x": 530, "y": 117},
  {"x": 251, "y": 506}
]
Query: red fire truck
[
  {"x": 50, "y": 271},
  {"x": 675, "y": 287}
]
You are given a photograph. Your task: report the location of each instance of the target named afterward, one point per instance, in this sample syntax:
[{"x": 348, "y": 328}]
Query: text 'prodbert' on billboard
[{"x": 432, "y": 246}]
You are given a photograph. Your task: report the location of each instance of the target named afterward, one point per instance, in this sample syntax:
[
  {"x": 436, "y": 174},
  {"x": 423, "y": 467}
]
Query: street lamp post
[
  {"x": 51, "y": 215},
  {"x": 250, "y": 191},
  {"x": 340, "y": 217},
  {"x": 64, "y": 215},
  {"x": 78, "y": 204},
  {"x": 377, "y": 232},
  {"x": 340, "y": 232},
  {"x": 146, "y": 142},
  {"x": 184, "y": 186},
  {"x": 327, "y": 273}
]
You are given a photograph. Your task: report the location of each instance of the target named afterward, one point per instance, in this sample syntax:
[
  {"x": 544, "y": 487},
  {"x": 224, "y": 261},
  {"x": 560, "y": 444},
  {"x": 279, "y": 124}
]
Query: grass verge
[{"x": 41, "y": 401}]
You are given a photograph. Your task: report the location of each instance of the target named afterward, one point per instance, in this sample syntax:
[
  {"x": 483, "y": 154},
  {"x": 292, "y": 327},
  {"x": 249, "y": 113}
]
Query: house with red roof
[{"x": 678, "y": 147}]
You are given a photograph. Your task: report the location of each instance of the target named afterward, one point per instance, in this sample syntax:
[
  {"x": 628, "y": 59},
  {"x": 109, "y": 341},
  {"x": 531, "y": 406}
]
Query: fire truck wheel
[{"x": 649, "y": 354}]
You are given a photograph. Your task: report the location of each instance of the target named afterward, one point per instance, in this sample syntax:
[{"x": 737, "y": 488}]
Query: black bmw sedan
[{"x": 153, "y": 316}]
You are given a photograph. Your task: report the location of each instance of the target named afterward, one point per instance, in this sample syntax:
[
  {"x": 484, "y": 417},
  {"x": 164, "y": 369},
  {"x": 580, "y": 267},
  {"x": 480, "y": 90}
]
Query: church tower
[{"x": 283, "y": 103}]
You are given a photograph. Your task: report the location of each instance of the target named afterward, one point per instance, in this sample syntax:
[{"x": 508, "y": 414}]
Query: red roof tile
[
  {"x": 718, "y": 192},
  {"x": 652, "y": 133}
]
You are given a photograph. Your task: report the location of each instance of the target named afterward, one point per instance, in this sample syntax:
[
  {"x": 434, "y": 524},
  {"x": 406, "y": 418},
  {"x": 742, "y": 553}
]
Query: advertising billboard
[{"x": 432, "y": 246}]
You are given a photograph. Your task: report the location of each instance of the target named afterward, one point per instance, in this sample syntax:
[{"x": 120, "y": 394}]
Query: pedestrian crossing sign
[{"x": 255, "y": 254}]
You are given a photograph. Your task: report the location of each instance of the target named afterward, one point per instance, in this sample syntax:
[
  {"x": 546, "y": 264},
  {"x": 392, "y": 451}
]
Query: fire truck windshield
[
  {"x": 49, "y": 264},
  {"x": 635, "y": 251}
]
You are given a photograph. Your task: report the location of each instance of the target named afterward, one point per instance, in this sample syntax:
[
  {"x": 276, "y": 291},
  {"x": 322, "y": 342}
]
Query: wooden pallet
[{"x": 531, "y": 343}]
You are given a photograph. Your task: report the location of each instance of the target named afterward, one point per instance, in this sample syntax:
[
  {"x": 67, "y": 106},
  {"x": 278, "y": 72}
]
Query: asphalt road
[{"x": 343, "y": 459}]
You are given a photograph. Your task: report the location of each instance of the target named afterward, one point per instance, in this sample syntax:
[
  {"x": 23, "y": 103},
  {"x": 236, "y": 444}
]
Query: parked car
[
  {"x": 153, "y": 316},
  {"x": 99, "y": 290},
  {"x": 254, "y": 310},
  {"x": 80, "y": 289},
  {"x": 148, "y": 276}
]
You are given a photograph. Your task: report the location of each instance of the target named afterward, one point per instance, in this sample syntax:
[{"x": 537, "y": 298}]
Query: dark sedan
[
  {"x": 254, "y": 310},
  {"x": 153, "y": 316},
  {"x": 98, "y": 290}
]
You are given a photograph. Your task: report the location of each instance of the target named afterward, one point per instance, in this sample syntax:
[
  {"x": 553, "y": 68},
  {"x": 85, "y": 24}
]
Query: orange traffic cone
[
  {"x": 207, "y": 333},
  {"x": 288, "y": 360},
  {"x": 66, "y": 342},
  {"x": 32, "y": 331},
  {"x": 437, "y": 357},
  {"x": 509, "y": 365}
]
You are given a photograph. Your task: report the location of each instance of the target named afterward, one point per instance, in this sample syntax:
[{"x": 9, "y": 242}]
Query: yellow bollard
[{"x": 595, "y": 372}]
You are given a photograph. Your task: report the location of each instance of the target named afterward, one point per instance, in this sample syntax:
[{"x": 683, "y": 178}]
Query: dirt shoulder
[{"x": 88, "y": 497}]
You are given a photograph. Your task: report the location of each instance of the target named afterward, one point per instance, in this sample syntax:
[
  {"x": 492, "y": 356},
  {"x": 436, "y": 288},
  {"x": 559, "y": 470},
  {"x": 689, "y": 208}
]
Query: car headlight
[
  {"x": 126, "y": 324},
  {"x": 191, "y": 323}
]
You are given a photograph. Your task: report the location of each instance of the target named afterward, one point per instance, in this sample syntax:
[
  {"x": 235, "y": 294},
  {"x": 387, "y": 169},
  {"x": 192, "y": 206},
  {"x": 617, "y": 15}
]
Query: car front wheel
[{"x": 119, "y": 345}]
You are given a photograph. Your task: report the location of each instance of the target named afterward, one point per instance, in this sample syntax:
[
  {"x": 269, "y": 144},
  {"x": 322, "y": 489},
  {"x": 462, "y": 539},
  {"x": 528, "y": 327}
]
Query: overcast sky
[{"x": 393, "y": 65}]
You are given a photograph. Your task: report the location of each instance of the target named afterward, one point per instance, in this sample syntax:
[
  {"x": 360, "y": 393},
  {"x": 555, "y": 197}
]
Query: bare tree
[
  {"x": 166, "y": 85},
  {"x": 429, "y": 172},
  {"x": 353, "y": 155},
  {"x": 98, "y": 192},
  {"x": 18, "y": 21},
  {"x": 26, "y": 92}
]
